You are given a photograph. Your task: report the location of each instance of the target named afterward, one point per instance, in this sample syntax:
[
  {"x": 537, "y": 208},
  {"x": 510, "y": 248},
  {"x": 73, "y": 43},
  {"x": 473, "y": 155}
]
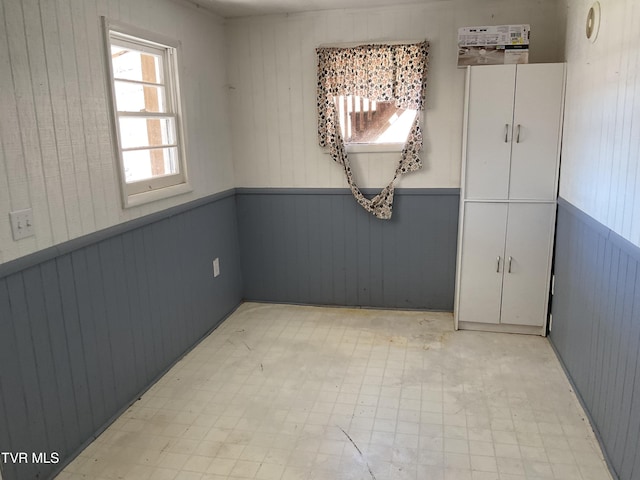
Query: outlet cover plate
[
  {"x": 22, "y": 224},
  {"x": 216, "y": 267}
]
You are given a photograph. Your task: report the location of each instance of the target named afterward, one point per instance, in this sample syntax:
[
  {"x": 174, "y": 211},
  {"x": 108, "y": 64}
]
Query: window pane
[
  {"x": 366, "y": 121},
  {"x": 135, "y": 97},
  {"x": 145, "y": 164},
  {"x": 131, "y": 64},
  {"x": 147, "y": 132}
]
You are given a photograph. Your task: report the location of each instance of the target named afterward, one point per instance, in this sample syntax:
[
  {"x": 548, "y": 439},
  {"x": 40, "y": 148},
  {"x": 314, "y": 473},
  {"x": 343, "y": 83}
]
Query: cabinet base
[{"x": 502, "y": 328}]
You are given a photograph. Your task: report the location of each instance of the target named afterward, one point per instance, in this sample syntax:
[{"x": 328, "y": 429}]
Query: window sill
[
  {"x": 154, "y": 195},
  {"x": 372, "y": 148},
  {"x": 375, "y": 147}
]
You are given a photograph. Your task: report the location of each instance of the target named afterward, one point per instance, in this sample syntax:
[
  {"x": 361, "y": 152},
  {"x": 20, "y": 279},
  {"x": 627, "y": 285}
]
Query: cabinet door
[
  {"x": 525, "y": 286},
  {"x": 482, "y": 262},
  {"x": 536, "y": 134},
  {"x": 489, "y": 129}
]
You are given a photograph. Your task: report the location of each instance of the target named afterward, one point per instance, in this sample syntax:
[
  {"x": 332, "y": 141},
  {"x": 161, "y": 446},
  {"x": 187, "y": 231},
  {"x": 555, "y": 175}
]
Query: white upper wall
[
  {"x": 272, "y": 71},
  {"x": 57, "y": 155},
  {"x": 601, "y": 146}
]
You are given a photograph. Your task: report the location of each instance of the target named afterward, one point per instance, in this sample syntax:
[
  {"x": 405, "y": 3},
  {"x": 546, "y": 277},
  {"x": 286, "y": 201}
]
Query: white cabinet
[
  {"x": 488, "y": 143},
  {"x": 482, "y": 262},
  {"x": 513, "y": 131},
  {"x": 513, "y": 116},
  {"x": 504, "y": 267}
]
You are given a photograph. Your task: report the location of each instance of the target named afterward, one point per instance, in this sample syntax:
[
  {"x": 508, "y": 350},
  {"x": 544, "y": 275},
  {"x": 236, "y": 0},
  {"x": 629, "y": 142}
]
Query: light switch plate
[{"x": 22, "y": 224}]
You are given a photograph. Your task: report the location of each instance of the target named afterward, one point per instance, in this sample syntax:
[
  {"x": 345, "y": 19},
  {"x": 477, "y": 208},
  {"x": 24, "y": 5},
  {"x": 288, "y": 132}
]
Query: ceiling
[{"x": 242, "y": 8}]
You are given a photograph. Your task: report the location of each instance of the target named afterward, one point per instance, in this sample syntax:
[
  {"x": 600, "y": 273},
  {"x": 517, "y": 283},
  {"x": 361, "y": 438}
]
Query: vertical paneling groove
[
  {"x": 86, "y": 328},
  {"x": 155, "y": 310},
  {"x": 103, "y": 329},
  {"x": 596, "y": 330},
  {"x": 124, "y": 347},
  {"x": 41, "y": 341},
  {"x": 79, "y": 147},
  {"x": 5, "y": 438},
  {"x": 180, "y": 309},
  {"x": 322, "y": 234},
  {"x": 303, "y": 247},
  {"x": 350, "y": 249},
  {"x": 84, "y": 370},
  {"x": 130, "y": 285},
  {"x": 186, "y": 311},
  {"x": 27, "y": 369},
  {"x": 82, "y": 57},
  {"x": 44, "y": 121},
  {"x": 390, "y": 237},
  {"x": 617, "y": 364},
  {"x": 17, "y": 423},
  {"x": 376, "y": 259},
  {"x": 361, "y": 251},
  {"x": 156, "y": 243},
  {"x": 60, "y": 352},
  {"x": 338, "y": 247},
  {"x": 60, "y": 119},
  {"x": 152, "y": 356},
  {"x": 83, "y": 334},
  {"x": 629, "y": 352}
]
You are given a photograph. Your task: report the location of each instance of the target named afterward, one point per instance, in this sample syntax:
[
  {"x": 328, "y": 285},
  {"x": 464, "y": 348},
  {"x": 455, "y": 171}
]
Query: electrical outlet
[
  {"x": 22, "y": 224},
  {"x": 216, "y": 267}
]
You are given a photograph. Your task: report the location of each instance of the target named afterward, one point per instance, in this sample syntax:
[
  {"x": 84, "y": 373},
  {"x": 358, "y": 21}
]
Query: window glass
[
  {"x": 135, "y": 97},
  {"x": 363, "y": 121}
]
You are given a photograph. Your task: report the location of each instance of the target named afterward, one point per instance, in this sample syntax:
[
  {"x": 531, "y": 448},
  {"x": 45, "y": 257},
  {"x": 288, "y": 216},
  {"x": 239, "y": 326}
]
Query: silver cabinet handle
[
  {"x": 509, "y": 270},
  {"x": 498, "y": 265},
  {"x": 518, "y": 134},
  {"x": 506, "y": 133}
]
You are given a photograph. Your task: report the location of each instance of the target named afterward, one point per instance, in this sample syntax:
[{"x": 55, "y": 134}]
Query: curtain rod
[{"x": 369, "y": 42}]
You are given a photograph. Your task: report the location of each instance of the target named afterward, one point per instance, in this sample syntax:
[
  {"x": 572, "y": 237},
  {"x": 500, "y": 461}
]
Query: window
[
  {"x": 146, "y": 115},
  {"x": 365, "y": 122}
]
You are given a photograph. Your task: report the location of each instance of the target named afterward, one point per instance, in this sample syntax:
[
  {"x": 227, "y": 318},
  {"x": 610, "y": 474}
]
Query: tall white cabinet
[{"x": 513, "y": 118}]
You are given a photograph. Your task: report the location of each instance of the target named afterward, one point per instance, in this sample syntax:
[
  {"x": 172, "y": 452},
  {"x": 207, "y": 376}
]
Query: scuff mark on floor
[{"x": 359, "y": 451}]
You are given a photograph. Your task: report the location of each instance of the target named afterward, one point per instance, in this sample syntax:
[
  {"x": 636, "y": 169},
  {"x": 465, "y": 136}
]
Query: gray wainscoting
[
  {"x": 86, "y": 326},
  {"x": 317, "y": 246},
  {"x": 596, "y": 330}
]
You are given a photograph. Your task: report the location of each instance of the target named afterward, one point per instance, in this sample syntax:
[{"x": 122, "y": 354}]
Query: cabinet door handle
[
  {"x": 509, "y": 270},
  {"x": 518, "y": 134},
  {"x": 506, "y": 133},
  {"x": 498, "y": 265}
]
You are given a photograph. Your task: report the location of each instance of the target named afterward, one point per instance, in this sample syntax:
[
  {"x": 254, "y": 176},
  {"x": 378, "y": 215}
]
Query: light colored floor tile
[{"x": 282, "y": 392}]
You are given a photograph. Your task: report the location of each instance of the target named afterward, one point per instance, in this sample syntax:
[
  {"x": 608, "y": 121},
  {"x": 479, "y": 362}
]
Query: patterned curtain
[{"x": 380, "y": 73}]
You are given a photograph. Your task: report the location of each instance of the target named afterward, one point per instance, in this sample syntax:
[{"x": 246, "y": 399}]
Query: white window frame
[{"x": 152, "y": 189}]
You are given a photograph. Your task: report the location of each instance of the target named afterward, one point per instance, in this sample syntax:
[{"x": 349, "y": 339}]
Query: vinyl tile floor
[{"x": 292, "y": 392}]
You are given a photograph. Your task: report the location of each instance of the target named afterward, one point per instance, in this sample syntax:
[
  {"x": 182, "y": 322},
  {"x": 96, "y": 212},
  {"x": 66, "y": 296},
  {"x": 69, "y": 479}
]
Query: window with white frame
[{"x": 147, "y": 114}]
